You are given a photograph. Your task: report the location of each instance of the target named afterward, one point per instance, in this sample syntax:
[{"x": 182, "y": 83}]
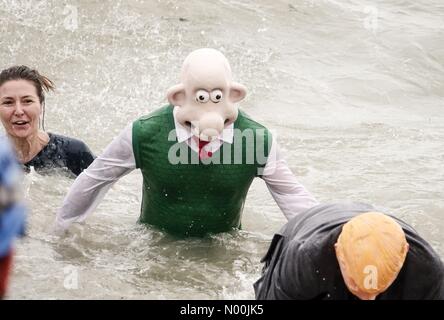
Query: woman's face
[{"x": 20, "y": 108}]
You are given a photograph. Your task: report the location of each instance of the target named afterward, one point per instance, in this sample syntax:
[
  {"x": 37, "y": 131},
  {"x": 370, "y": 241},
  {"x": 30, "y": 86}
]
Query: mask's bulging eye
[
  {"x": 216, "y": 96},
  {"x": 202, "y": 96}
]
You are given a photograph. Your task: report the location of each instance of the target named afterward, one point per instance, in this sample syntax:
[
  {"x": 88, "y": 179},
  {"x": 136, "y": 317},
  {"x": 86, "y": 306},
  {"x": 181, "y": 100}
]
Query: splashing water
[{"x": 352, "y": 89}]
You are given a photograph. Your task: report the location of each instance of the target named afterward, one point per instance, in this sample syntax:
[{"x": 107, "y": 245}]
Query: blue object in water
[{"x": 12, "y": 212}]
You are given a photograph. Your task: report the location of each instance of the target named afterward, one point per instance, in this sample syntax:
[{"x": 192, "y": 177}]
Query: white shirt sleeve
[
  {"x": 291, "y": 196},
  {"x": 92, "y": 184}
]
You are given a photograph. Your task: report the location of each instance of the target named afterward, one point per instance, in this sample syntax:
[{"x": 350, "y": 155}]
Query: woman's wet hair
[{"x": 41, "y": 83}]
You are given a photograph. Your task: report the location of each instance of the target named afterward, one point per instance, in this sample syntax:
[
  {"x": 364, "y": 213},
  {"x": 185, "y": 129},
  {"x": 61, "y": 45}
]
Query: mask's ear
[
  {"x": 176, "y": 95},
  {"x": 237, "y": 92}
]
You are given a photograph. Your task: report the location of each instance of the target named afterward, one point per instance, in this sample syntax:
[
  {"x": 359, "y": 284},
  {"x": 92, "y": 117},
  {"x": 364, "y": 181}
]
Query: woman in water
[{"x": 22, "y": 105}]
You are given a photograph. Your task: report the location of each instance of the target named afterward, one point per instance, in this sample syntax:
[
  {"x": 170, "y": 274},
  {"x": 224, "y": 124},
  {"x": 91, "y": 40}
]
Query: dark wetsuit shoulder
[{"x": 62, "y": 153}]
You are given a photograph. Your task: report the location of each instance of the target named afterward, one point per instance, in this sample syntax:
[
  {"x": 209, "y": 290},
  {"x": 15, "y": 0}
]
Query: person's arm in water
[
  {"x": 425, "y": 277},
  {"x": 79, "y": 156},
  {"x": 438, "y": 292},
  {"x": 92, "y": 184},
  {"x": 289, "y": 273},
  {"x": 291, "y": 196}
]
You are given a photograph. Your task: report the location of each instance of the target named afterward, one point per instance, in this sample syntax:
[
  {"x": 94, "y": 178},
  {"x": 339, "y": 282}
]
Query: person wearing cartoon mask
[{"x": 198, "y": 156}]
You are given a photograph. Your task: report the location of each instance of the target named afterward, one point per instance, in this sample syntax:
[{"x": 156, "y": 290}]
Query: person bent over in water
[
  {"x": 346, "y": 252},
  {"x": 12, "y": 213}
]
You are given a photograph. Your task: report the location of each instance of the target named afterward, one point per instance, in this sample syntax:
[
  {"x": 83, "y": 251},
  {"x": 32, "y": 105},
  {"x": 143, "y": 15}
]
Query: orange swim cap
[{"x": 372, "y": 248}]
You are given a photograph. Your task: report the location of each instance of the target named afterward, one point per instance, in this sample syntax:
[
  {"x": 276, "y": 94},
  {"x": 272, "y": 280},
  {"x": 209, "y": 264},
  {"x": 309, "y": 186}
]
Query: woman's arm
[{"x": 79, "y": 156}]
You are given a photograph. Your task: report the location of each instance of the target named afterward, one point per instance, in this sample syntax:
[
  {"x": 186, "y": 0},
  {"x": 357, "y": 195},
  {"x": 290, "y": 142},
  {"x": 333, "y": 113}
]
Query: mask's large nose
[{"x": 210, "y": 126}]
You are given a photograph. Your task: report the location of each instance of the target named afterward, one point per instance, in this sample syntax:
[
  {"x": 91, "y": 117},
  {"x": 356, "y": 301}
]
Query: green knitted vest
[{"x": 186, "y": 196}]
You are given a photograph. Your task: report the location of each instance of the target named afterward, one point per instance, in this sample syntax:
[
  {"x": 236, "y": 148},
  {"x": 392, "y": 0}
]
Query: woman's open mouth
[{"x": 20, "y": 123}]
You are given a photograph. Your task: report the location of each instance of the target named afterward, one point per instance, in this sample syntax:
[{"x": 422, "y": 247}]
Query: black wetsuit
[
  {"x": 301, "y": 261},
  {"x": 64, "y": 153}
]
